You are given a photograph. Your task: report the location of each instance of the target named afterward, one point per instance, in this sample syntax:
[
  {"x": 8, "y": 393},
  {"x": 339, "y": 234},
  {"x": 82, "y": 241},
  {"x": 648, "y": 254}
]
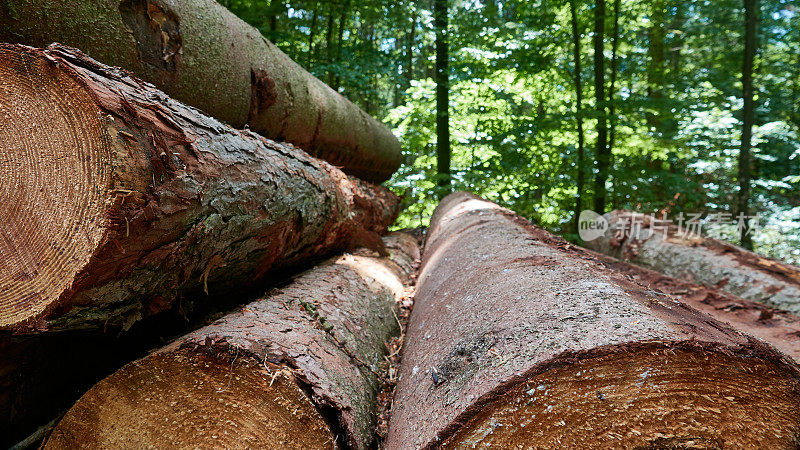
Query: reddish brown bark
[
  {"x": 292, "y": 370},
  {"x": 518, "y": 338},
  {"x": 121, "y": 200},
  {"x": 778, "y": 328},
  {"x": 699, "y": 259},
  {"x": 203, "y": 55}
]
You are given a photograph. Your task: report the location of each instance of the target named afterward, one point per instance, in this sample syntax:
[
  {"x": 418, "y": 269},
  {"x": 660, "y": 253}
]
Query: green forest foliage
[{"x": 677, "y": 101}]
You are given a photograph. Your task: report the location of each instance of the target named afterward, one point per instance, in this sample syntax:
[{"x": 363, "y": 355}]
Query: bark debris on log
[
  {"x": 778, "y": 328},
  {"x": 300, "y": 368},
  {"x": 518, "y": 338},
  {"x": 203, "y": 55},
  {"x": 699, "y": 259},
  {"x": 119, "y": 200}
]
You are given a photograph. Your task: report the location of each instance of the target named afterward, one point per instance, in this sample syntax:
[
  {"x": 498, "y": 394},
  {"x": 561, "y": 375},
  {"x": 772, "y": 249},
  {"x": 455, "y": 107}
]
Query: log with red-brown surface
[
  {"x": 117, "y": 200},
  {"x": 779, "y": 328},
  {"x": 201, "y": 54},
  {"x": 300, "y": 368},
  {"x": 521, "y": 340},
  {"x": 635, "y": 237}
]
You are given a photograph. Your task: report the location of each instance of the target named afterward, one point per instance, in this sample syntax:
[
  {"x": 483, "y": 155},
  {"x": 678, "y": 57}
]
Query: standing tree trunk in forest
[
  {"x": 519, "y": 339},
  {"x": 275, "y": 6},
  {"x": 655, "y": 66},
  {"x": 370, "y": 103},
  {"x": 678, "y": 22},
  {"x": 442, "y": 97},
  {"x": 601, "y": 153},
  {"x": 612, "y": 90},
  {"x": 397, "y": 85},
  {"x": 134, "y": 201},
  {"x": 673, "y": 81},
  {"x": 300, "y": 368},
  {"x": 410, "y": 42},
  {"x": 576, "y": 54},
  {"x": 312, "y": 29},
  {"x": 751, "y": 17},
  {"x": 329, "y": 44},
  {"x": 795, "y": 114},
  {"x": 199, "y": 53},
  {"x": 337, "y": 81}
]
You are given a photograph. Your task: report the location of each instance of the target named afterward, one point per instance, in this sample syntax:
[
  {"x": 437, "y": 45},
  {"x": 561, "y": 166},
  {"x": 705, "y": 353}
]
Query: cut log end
[
  {"x": 105, "y": 180},
  {"x": 186, "y": 399},
  {"x": 300, "y": 367},
  {"x": 646, "y": 398},
  {"x": 54, "y": 150}
]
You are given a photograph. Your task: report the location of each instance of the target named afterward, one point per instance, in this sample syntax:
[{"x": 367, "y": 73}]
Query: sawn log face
[{"x": 145, "y": 200}]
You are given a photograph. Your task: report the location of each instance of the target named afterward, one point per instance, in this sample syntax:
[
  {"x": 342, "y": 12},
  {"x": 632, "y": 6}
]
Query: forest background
[{"x": 552, "y": 107}]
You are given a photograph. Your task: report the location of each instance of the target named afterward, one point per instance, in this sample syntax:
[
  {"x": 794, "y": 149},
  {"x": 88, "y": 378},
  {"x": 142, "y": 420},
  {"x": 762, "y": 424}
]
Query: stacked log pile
[
  {"x": 121, "y": 200},
  {"x": 287, "y": 371},
  {"x": 519, "y": 339},
  {"x": 699, "y": 259},
  {"x": 121, "y": 204}
]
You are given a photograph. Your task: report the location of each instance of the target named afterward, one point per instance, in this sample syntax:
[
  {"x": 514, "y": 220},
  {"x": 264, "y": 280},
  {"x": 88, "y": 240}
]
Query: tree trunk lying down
[
  {"x": 118, "y": 199},
  {"x": 286, "y": 371},
  {"x": 201, "y": 54},
  {"x": 519, "y": 339},
  {"x": 778, "y": 328},
  {"x": 699, "y": 259}
]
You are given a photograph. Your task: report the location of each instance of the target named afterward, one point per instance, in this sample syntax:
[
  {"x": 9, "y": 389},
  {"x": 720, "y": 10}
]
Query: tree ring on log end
[
  {"x": 644, "y": 398},
  {"x": 54, "y": 180},
  {"x": 184, "y": 399}
]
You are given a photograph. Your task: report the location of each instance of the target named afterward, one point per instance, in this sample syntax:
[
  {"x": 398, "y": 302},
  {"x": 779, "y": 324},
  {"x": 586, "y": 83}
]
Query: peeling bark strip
[
  {"x": 699, "y": 259},
  {"x": 778, "y": 328},
  {"x": 117, "y": 199},
  {"x": 201, "y": 54},
  {"x": 519, "y": 339},
  {"x": 271, "y": 375}
]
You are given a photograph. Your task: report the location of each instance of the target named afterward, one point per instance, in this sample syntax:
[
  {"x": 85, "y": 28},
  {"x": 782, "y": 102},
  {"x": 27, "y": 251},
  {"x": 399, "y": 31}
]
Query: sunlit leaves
[{"x": 512, "y": 106}]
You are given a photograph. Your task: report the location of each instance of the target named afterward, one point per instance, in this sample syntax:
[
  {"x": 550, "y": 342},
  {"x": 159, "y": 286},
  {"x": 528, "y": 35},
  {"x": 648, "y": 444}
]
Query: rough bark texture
[
  {"x": 698, "y": 259},
  {"x": 778, "y": 328},
  {"x": 201, "y": 54},
  {"x": 520, "y": 339},
  {"x": 299, "y": 368},
  {"x": 120, "y": 200}
]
